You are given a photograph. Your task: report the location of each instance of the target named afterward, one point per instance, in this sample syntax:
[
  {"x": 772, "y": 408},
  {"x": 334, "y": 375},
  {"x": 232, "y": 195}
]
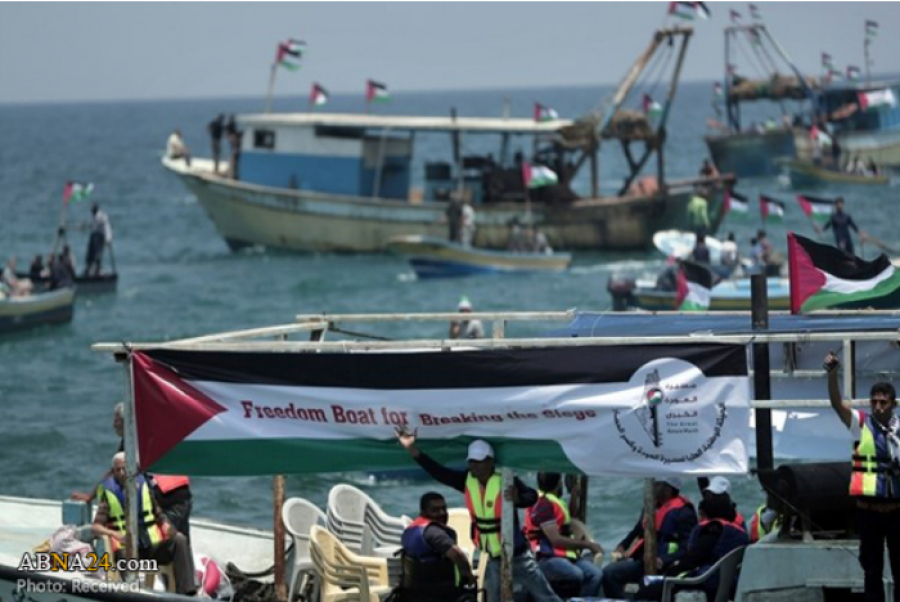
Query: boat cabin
[{"x": 861, "y": 107}]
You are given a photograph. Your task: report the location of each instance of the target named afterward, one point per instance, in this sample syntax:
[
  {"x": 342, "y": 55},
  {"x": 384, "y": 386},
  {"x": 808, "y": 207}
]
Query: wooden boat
[
  {"x": 86, "y": 285},
  {"x": 435, "y": 258},
  {"x": 727, "y": 295},
  {"x": 805, "y": 174},
  {"x": 20, "y": 313},
  {"x": 866, "y": 133},
  {"x": 341, "y": 182}
]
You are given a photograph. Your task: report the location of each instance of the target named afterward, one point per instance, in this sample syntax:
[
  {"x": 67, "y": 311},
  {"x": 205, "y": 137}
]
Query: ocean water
[{"x": 178, "y": 279}]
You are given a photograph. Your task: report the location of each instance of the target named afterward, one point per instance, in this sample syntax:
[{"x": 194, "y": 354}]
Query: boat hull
[
  {"x": 86, "y": 285},
  {"x": 808, "y": 175},
  {"x": 435, "y": 258},
  {"x": 752, "y": 154},
  {"x": 882, "y": 147},
  {"x": 727, "y": 296},
  {"x": 299, "y": 220},
  {"x": 22, "y": 313}
]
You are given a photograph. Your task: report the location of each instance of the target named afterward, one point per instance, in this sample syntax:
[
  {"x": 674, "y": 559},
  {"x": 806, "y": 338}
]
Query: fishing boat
[
  {"x": 806, "y": 174},
  {"x": 341, "y": 182},
  {"x": 438, "y": 258},
  {"x": 86, "y": 285},
  {"x": 36, "y": 309},
  {"x": 727, "y": 295},
  {"x": 864, "y": 118},
  {"x": 755, "y": 151}
]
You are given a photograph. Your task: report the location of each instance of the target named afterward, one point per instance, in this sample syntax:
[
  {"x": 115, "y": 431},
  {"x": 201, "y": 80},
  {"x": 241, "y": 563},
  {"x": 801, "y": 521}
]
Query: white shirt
[{"x": 175, "y": 146}]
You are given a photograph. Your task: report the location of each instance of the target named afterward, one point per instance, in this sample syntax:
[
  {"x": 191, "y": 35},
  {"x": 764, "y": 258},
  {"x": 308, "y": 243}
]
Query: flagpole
[
  {"x": 866, "y": 49},
  {"x": 271, "y": 88}
]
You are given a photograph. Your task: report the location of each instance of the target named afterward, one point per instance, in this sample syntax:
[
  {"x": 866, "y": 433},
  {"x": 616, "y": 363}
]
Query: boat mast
[
  {"x": 670, "y": 97},
  {"x": 866, "y": 51}
]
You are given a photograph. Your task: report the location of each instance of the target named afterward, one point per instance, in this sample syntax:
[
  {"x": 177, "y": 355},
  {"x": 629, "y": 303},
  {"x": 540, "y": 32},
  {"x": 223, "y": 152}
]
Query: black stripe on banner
[{"x": 443, "y": 370}]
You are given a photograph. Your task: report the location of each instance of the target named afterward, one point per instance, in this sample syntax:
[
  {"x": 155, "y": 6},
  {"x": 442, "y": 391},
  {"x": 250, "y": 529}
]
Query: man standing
[
  {"x": 215, "y": 128},
  {"x": 434, "y": 566},
  {"x": 466, "y": 329},
  {"x": 841, "y": 223},
  {"x": 874, "y": 478},
  {"x": 101, "y": 235},
  {"x": 485, "y": 500}
]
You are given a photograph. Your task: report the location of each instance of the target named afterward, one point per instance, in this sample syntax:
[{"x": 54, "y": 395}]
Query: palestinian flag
[
  {"x": 817, "y": 209},
  {"x": 755, "y": 39},
  {"x": 652, "y": 109},
  {"x": 853, "y": 72},
  {"x": 736, "y": 204},
  {"x": 289, "y": 53},
  {"x": 772, "y": 210},
  {"x": 823, "y": 276},
  {"x": 694, "y": 286},
  {"x": 565, "y": 409},
  {"x": 318, "y": 95},
  {"x": 877, "y": 98},
  {"x": 871, "y": 28},
  {"x": 754, "y": 12},
  {"x": 77, "y": 191},
  {"x": 542, "y": 113},
  {"x": 735, "y": 16},
  {"x": 376, "y": 92},
  {"x": 689, "y": 10},
  {"x": 827, "y": 61},
  {"x": 536, "y": 176}
]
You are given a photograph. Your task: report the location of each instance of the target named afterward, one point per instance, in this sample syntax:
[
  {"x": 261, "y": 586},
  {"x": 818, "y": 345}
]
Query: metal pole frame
[{"x": 132, "y": 463}]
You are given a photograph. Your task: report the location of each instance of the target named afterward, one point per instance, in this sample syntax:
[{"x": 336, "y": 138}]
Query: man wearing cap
[
  {"x": 720, "y": 488},
  {"x": 466, "y": 329},
  {"x": 482, "y": 485},
  {"x": 675, "y": 519}
]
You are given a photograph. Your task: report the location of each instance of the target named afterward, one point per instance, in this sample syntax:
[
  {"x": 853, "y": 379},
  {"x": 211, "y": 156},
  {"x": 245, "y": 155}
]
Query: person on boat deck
[
  {"x": 101, "y": 235},
  {"x": 36, "y": 269},
  {"x": 841, "y": 222},
  {"x": 768, "y": 519},
  {"x": 482, "y": 486},
  {"x": 157, "y": 538},
  {"x": 708, "y": 170},
  {"x": 710, "y": 540},
  {"x": 874, "y": 477},
  {"x": 467, "y": 225},
  {"x": 700, "y": 253},
  {"x": 698, "y": 210},
  {"x": 548, "y": 527},
  {"x": 216, "y": 128},
  {"x": 177, "y": 149},
  {"x": 18, "y": 287},
  {"x": 434, "y": 566},
  {"x": 60, "y": 276},
  {"x": 675, "y": 520},
  {"x": 730, "y": 256},
  {"x": 234, "y": 136},
  {"x": 67, "y": 257},
  {"x": 466, "y": 329},
  {"x": 719, "y": 488},
  {"x": 517, "y": 241},
  {"x": 541, "y": 244},
  {"x": 453, "y": 214}
]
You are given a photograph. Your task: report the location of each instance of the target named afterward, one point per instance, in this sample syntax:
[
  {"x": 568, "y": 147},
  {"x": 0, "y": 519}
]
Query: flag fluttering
[
  {"x": 827, "y": 61},
  {"x": 77, "y": 191},
  {"x": 772, "y": 210},
  {"x": 694, "y": 287},
  {"x": 735, "y": 16},
  {"x": 877, "y": 98},
  {"x": 815, "y": 208},
  {"x": 754, "y": 12},
  {"x": 736, "y": 204},
  {"x": 823, "y": 276},
  {"x": 689, "y": 10},
  {"x": 289, "y": 53},
  {"x": 871, "y": 28},
  {"x": 544, "y": 113},
  {"x": 376, "y": 92},
  {"x": 853, "y": 72},
  {"x": 652, "y": 109},
  {"x": 318, "y": 95},
  {"x": 536, "y": 176}
]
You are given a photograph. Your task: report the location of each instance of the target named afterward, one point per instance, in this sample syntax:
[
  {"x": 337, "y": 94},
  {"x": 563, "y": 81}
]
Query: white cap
[
  {"x": 479, "y": 450},
  {"x": 718, "y": 485},
  {"x": 464, "y": 304},
  {"x": 673, "y": 482}
]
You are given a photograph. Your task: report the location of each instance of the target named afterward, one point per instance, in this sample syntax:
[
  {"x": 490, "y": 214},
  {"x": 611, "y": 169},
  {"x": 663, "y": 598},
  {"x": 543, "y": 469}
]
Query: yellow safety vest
[
  {"x": 116, "y": 520},
  {"x": 871, "y": 464},
  {"x": 485, "y": 508}
]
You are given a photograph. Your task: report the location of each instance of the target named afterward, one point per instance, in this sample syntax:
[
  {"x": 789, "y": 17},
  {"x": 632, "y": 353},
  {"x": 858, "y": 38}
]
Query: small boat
[
  {"x": 21, "y": 313},
  {"x": 680, "y": 244},
  {"x": 86, "y": 285},
  {"x": 437, "y": 258},
  {"x": 805, "y": 174},
  {"x": 727, "y": 295}
]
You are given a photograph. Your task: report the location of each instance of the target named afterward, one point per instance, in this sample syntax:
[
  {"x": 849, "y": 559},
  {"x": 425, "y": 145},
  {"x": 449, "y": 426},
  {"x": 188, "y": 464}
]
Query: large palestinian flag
[
  {"x": 694, "y": 286},
  {"x": 823, "y": 276},
  {"x": 552, "y": 408}
]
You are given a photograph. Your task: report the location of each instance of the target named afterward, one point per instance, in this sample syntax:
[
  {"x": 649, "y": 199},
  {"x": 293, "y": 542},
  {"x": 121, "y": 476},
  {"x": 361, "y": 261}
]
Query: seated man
[
  {"x": 157, "y": 539},
  {"x": 434, "y": 566},
  {"x": 548, "y": 527},
  {"x": 675, "y": 520},
  {"x": 177, "y": 149}
]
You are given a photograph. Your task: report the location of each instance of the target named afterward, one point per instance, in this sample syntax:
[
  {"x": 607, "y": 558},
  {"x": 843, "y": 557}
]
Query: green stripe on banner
[
  {"x": 825, "y": 298},
  {"x": 249, "y": 457}
]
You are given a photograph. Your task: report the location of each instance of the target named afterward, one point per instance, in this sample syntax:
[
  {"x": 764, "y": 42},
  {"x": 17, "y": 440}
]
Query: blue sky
[{"x": 128, "y": 50}]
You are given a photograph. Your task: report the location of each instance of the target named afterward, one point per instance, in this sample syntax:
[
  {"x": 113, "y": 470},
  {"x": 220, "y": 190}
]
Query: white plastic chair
[
  {"x": 461, "y": 522},
  {"x": 299, "y": 516},
  {"x": 345, "y": 576},
  {"x": 727, "y": 566},
  {"x": 360, "y": 523}
]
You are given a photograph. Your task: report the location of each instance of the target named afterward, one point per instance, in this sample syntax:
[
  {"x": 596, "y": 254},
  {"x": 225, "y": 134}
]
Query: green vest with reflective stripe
[
  {"x": 116, "y": 520},
  {"x": 485, "y": 509}
]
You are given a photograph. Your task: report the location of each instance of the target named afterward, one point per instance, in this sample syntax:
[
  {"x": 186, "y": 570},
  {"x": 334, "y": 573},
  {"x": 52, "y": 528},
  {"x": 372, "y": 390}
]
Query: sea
[{"x": 179, "y": 279}]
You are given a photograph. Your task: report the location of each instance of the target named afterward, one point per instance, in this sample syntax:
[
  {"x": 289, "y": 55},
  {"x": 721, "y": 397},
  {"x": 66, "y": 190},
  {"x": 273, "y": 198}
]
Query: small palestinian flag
[
  {"x": 755, "y": 39},
  {"x": 754, "y": 12},
  {"x": 815, "y": 208},
  {"x": 736, "y": 204},
  {"x": 853, "y": 72},
  {"x": 827, "y": 61},
  {"x": 542, "y": 113},
  {"x": 289, "y": 53},
  {"x": 376, "y": 92},
  {"x": 772, "y": 210},
  {"x": 536, "y": 176},
  {"x": 318, "y": 95},
  {"x": 877, "y": 98},
  {"x": 871, "y": 28},
  {"x": 652, "y": 109},
  {"x": 694, "y": 287},
  {"x": 735, "y": 16},
  {"x": 77, "y": 191},
  {"x": 823, "y": 276},
  {"x": 689, "y": 10}
]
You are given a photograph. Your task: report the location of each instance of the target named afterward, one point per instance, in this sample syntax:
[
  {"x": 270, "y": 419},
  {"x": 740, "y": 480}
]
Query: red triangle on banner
[{"x": 167, "y": 408}]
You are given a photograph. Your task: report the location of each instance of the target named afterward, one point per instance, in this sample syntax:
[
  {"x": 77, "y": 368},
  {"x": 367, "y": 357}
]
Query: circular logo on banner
[{"x": 676, "y": 416}]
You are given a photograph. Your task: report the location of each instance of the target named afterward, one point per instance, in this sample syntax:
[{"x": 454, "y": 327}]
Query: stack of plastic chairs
[
  {"x": 299, "y": 516},
  {"x": 360, "y": 523},
  {"x": 344, "y": 575}
]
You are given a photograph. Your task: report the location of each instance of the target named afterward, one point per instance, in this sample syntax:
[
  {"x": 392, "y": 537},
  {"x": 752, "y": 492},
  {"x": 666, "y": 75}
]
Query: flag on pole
[
  {"x": 735, "y": 16},
  {"x": 871, "y": 28},
  {"x": 652, "y": 109},
  {"x": 689, "y": 10},
  {"x": 853, "y": 72},
  {"x": 827, "y": 61},
  {"x": 536, "y": 176},
  {"x": 772, "y": 210},
  {"x": 77, "y": 191},
  {"x": 318, "y": 95},
  {"x": 542, "y": 113},
  {"x": 755, "y": 38},
  {"x": 877, "y": 98},
  {"x": 815, "y": 208},
  {"x": 289, "y": 53},
  {"x": 736, "y": 204},
  {"x": 694, "y": 287},
  {"x": 754, "y": 12},
  {"x": 823, "y": 276},
  {"x": 376, "y": 92}
]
